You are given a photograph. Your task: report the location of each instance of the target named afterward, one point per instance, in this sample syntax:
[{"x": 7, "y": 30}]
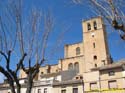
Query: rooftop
[{"x": 120, "y": 63}]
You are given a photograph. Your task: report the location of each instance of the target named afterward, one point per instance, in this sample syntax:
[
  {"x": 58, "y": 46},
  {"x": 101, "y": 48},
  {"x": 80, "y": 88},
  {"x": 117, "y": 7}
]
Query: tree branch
[
  {"x": 3, "y": 54},
  {"x": 21, "y": 62}
]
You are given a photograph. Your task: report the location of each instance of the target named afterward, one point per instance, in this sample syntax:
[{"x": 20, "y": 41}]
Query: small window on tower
[
  {"x": 95, "y": 57},
  {"x": 95, "y": 65},
  {"x": 93, "y": 45},
  {"x": 92, "y": 35},
  {"x": 89, "y": 26},
  {"x": 95, "y": 25}
]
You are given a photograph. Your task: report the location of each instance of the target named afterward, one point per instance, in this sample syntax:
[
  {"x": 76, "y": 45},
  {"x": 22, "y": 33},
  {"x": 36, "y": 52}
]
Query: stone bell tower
[{"x": 95, "y": 44}]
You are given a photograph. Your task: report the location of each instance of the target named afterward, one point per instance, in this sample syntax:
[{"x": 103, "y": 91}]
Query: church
[{"x": 87, "y": 67}]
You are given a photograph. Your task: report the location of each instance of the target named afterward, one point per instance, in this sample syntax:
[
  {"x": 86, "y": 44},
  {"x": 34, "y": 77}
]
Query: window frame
[
  {"x": 78, "y": 51},
  {"x": 76, "y": 66},
  {"x": 111, "y": 73},
  {"x": 42, "y": 72},
  {"x": 39, "y": 91},
  {"x": 95, "y": 65},
  {"x": 94, "y": 45},
  {"x": 45, "y": 90},
  {"x": 70, "y": 66},
  {"x": 95, "y": 57},
  {"x": 74, "y": 91},
  {"x": 112, "y": 81},
  {"x": 95, "y": 25},
  {"x": 63, "y": 91},
  {"x": 93, "y": 83},
  {"x": 88, "y": 26}
]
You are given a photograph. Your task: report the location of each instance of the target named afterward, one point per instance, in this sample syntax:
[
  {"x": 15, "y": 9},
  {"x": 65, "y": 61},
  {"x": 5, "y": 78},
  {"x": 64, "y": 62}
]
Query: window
[
  {"x": 45, "y": 90},
  {"x": 81, "y": 77},
  {"x": 93, "y": 86},
  {"x": 92, "y": 35},
  {"x": 75, "y": 90},
  {"x": 111, "y": 73},
  {"x": 77, "y": 77},
  {"x": 77, "y": 50},
  {"x": 95, "y": 25},
  {"x": 39, "y": 90},
  {"x": 48, "y": 70},
  {"x": 95, "y": 65},
  {"x": 112, "y": 84},
  {"x": 103, "y": 62},
  {"x": 63, "y": 91},
  {"x": 95, "y": 57},
  {"x": 55, "y": 78},
  {"x": 70, "y": 66},
  {"x": 93, "y": 45},
  {"x": 76, "y": 66},
  {"x": 123, "y": 67},
  {"x": 89, "y": 26}
]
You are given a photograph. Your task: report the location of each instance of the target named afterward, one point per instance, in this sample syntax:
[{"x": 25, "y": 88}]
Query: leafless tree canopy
[
  {"x": 112, "y": 10},
  {"x": 23, "y": 39}
]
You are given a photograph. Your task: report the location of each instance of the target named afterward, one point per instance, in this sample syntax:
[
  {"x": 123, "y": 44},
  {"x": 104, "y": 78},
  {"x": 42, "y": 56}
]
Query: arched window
[
  {"x": 95, "y": 57},
  {"x": 76, "y": 66},
  {"x": 70, "y": 66},
  {"x": 77, "y": 50},
  {"x": 89, "y": 26},
  {"x": 95, "y": 25}
]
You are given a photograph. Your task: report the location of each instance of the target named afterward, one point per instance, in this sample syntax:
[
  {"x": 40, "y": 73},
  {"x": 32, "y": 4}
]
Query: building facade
[{"x": 86, "y": 67}]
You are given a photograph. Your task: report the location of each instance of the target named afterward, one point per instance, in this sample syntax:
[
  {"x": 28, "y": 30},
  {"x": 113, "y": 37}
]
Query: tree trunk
[
  {"x": 29, "y": 83},
  {"x": 18, "y": 89},
  {"x": 12, "y": 87},
  {"x": 18, "y": 86}
]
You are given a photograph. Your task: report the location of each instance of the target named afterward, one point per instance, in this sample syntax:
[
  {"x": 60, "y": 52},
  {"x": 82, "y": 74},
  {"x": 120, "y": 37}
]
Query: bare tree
[
  {"x": 22, "y": 39},
  {"x": 111, "y": 10},
  {"x": 32, "y": 71}
]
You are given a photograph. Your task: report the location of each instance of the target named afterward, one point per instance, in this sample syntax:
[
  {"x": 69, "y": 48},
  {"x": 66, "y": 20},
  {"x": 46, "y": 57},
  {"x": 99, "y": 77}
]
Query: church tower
[{"x": 95, "y": 44}]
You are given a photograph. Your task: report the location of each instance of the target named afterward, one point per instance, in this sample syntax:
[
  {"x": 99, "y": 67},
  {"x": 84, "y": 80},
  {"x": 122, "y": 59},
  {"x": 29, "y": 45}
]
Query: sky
[{"x": 68, "y": 17}]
